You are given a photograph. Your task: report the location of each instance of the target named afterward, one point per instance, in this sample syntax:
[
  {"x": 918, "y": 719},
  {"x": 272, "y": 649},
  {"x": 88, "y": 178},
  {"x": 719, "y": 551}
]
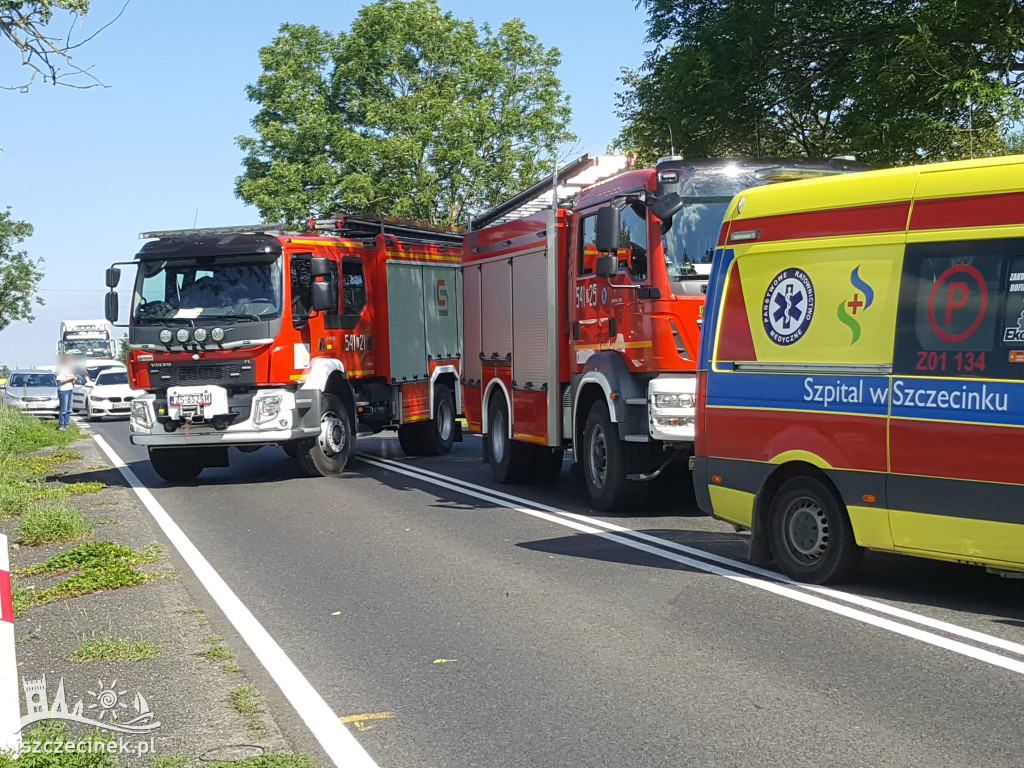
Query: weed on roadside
[
  {"x": 171, "y": 761},
  {"x": 23, "y": 433},
  {"x": 52, "y": 523},
  {"x": 52, "y": 732},
  {"x": 93, "y": 554},
  {"x": 217, "y": 652},
  {"x": 97, "y": 648},
  {"x": 248, "y": 702},
  {"x": 267, "y": 761}
]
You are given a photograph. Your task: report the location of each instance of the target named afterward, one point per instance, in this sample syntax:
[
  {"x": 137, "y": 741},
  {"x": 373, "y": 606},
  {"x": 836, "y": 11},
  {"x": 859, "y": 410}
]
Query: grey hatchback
[{"x": 33, "y": 391}]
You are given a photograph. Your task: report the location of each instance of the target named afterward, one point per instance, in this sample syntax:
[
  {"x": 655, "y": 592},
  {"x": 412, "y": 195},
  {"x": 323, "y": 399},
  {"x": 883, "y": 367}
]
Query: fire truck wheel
[
  {"x": 604, "y": 462},
  {"x": 175, "y": 465},
  {"x": 547, "y": 464},
  {"x": 810, "y": 533},
  {"x": 438, "y": 434},
  {"x": 409, "y": 438},
  {"x": 291, "y": 448},
  {"x": 331, "y": 452},
  {"x": 511, "y": 461}
]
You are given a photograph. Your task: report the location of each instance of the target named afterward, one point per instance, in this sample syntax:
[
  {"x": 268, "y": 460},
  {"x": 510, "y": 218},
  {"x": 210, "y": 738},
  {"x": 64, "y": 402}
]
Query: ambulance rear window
[{"x": 961, "y": 310}]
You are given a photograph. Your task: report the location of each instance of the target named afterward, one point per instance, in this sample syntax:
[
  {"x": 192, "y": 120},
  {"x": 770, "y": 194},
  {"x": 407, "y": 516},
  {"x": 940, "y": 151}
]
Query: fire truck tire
[
  {"x": 175, "y": 465},
  {"x": 511, "y": 460},
  {"x": 291, "y": 448},
  {"x": 409, "y": 438},
  {"x": 437, "y": 435},
  {"x": 810, "y": 533},
  {"x": 330, "y": 453},
  {"x": 547, "y": 464},
  {"x": 604, "y": 463}
]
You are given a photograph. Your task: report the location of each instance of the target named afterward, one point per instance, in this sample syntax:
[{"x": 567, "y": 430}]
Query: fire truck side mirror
[
  {"x": 319, "y": 267},
  {"x": 113, "y": 277},
  {"x": 323, "y": 297},
  {"x": 667, "y": 206},
  {"x": 110, "y": 306},
  {"x": 606, "y": 266},
  {"x": 606, "y": 238}
]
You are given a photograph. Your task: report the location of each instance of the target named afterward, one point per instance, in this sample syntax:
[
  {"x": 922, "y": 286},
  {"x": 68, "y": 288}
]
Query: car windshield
[
  {"x": 32, "y": 380},
  {"x": 237, "y": 287},
  {"x": 112, "y": 377},
  {"x": 93, "y": 371},
  {"x": 694, "y": 232},
  {"x": 87, "y": 347}
]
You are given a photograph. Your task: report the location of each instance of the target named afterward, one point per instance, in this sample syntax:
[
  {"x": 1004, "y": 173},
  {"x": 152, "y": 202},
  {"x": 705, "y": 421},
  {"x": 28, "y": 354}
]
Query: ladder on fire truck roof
[
  {"x": 360, "y": 225},
  {"x": 567, "y": 183}
]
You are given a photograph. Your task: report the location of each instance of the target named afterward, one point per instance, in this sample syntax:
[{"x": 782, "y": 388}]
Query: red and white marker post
[{"x": 10, "y": 703}]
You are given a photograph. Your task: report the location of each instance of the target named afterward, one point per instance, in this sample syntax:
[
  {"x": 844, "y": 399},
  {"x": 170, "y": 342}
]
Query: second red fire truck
[{"x": 583, "y": 301}]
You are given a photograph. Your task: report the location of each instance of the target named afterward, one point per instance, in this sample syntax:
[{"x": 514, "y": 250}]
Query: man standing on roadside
[{"x": 66, "y": 379}]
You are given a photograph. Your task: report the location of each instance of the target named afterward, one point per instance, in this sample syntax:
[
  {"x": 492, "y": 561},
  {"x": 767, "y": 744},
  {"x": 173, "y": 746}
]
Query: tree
[
  {"x": 123, "y": 349},
  {"x": 892, "y": 81},
  {"x": 19, "y": 275},
  {"x": 411, "y": 113},
  {"x": 25, "y": 23}
]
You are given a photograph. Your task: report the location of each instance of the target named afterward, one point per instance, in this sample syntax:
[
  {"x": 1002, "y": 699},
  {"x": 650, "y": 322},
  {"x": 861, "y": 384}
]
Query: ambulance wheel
[
  {"x": 175, "y": 465},
  {"x": 810, "y": 533},
  {"x": 331, "y": 452},
  {"x": 409, "y": 438},
  {"x": 604, "y": 462},
  {"x": 510, "y": 459},
  {"x": 438, "y": 434},
  {"x": 547, "y": 464}
]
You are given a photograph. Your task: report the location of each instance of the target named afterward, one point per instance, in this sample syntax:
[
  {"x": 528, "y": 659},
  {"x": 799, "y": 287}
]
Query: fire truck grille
[{"x": 235, "y": 373}]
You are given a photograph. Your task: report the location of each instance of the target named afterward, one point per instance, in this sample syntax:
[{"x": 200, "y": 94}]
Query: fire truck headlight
[
  {"x": 217, "y": 334},
  {"x": 200, "y": 334},
  {"x": 673, "y": 400},
  {"x": 267, "y": 409},
  {"x": 141, "y": 414},
  {"x": 166, "y": 335}
]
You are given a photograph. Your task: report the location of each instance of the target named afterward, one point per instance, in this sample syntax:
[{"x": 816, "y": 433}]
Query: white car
[
  {"x": 87, "y": 378},
  {"x": 110, "y": 395}
]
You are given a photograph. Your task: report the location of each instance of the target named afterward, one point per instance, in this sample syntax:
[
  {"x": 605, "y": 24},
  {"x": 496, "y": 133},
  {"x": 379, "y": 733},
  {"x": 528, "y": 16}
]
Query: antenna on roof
[{"x": 671, "y": 140}]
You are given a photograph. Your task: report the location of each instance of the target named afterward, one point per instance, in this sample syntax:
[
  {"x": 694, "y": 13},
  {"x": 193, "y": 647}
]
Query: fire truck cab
[{"x": 254, "y": 336}]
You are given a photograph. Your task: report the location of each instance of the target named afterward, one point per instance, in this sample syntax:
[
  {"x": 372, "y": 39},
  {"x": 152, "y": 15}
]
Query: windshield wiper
[{"x": 240, "y": 316}]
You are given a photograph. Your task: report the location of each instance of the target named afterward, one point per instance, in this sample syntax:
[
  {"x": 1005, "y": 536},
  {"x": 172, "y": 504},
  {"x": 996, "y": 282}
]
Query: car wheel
[{"x": 810, "y": 533}]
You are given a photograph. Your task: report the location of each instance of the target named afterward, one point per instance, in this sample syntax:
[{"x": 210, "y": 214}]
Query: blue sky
[{"x": 90, "y": 169}]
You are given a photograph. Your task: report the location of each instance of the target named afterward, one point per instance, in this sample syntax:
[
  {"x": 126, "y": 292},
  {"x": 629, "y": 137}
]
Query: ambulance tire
[
  {"x": 511, "y": 460},
  {"x": 409, "y": 438},
  {"x": 328, "y": 454},
  {"x": 547, "y": 464},
  {"x": 604, "y": 464},
  {"x": 437, "y": 435},
  {"x": 810, "y": 533},
  {"x": 175, "y": 465}
]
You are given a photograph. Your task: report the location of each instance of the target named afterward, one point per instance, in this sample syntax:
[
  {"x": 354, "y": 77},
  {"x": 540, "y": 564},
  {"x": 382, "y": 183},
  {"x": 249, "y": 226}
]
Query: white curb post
[{"x": 10, "y": 702}]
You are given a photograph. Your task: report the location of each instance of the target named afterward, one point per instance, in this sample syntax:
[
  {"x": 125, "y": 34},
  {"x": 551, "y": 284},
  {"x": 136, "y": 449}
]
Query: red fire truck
[
  {"x": 253, "y": 336},
  {"x": 583, "y": 299}
]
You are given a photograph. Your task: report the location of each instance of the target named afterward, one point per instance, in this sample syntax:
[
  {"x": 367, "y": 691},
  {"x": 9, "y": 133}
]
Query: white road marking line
[
  {"x": 561, "y": 518},
  {"x": 863, "y": 602},
  {"x": 337, "y": 741}
]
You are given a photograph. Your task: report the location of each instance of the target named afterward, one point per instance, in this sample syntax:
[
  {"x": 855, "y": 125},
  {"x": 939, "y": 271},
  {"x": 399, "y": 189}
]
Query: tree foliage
[
  {"x": 410, "y": 113},
  {"x": 892, "y": 81},
  {"x": 19, "y": 274}
]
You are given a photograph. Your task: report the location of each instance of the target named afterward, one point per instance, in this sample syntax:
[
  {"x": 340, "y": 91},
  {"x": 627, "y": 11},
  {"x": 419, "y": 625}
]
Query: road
[{"x": 506, "y": 632}]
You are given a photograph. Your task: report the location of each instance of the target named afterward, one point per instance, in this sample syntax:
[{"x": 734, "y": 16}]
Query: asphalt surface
[{"x": 497, "y": 634}]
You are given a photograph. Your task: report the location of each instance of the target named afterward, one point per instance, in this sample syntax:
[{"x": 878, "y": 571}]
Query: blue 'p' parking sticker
[{"x": 788, "y": 306}]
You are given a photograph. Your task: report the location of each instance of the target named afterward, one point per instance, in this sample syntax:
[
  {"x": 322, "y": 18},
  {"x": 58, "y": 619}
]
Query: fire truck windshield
[
  {"x": 246, "y": 288},
  {"x": 690, "y": 242},
  {"x": 87, "y": 347}
]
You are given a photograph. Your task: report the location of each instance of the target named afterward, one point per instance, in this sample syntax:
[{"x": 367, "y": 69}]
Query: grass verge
[
  {"x": 115, "y": 649},
  {"x": 52, "y": 732},
  {"x": 248, "y": 702},
  {"x": 52, "y": 522}
]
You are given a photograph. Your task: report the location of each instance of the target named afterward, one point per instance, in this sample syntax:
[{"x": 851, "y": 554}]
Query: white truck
[{"x": 89, "y": 339}]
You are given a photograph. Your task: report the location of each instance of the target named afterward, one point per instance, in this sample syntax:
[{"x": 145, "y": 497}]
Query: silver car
[{"x": 34, "y": 392}]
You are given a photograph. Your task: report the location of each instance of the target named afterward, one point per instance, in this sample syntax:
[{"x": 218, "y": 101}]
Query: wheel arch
[
  {"x": 493, "y": 386},
  {"x": 449, "y": 376},
  {"x": 327, "y": 376}
]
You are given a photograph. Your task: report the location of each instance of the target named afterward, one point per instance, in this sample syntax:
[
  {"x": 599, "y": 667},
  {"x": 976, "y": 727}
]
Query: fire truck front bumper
[{"x": 210, "y": 416}]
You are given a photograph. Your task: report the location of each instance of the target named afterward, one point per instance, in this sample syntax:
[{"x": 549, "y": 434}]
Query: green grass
[
  {"x": 217, "y": 652},
  {"x": 248, "y": 702},
  {"x": 93, "y": 566},
  {"x": 171, "y": 761},
  {"x": 115, "y": 649},
  {"x": 266, "y": 761},
  {"x": 23, "y": 433},
  {"x": 52, "y": 731},
  {"x": 52, "y": 522}
]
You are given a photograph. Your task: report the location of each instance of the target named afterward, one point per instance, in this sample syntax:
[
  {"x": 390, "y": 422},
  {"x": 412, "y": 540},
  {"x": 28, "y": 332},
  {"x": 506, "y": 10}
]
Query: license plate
[
  {"x": 122, "y": 406},
  {"x": 192, "y": 398}
]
